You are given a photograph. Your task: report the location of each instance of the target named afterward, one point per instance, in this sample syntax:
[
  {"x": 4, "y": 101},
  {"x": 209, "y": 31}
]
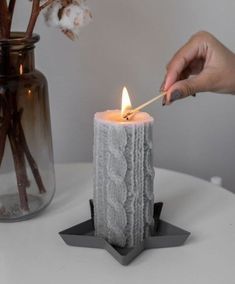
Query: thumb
[{"x": 188, "y": 87}]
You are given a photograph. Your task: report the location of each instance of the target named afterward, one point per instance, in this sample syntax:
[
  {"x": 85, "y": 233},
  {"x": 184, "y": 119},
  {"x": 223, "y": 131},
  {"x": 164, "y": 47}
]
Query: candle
[{"x": 123, "y": 176}]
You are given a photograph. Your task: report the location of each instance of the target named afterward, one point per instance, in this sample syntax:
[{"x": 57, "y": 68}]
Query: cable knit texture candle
[{"x": 123, "y": 183}]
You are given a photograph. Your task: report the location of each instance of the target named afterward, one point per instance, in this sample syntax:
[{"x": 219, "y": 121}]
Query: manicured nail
[
  {"x": 164, "y": 101},
  {"x": 175, "y": 95}
]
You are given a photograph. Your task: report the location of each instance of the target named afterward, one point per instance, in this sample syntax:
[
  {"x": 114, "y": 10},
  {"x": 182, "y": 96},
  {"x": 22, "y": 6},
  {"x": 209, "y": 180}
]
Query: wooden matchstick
[{"x": 133, "y": 111}]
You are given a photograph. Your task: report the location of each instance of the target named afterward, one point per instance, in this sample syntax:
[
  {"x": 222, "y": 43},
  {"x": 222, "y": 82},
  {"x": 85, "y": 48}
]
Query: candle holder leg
[{"x": 163, "y": 235}]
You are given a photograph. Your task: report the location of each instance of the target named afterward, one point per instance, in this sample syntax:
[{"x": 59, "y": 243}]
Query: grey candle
[{"x": 123, "y": 177}]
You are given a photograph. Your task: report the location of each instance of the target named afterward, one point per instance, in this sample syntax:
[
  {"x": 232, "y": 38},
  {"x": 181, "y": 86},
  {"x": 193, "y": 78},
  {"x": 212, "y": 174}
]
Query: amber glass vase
[{"x": 27, "y": 181}]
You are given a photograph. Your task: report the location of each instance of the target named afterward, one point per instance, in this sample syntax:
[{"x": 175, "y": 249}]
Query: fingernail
[
  {"x": 164, "y": 101},
  {"x": 175, "y": 95},
  {"x": 194, "y": 95}
]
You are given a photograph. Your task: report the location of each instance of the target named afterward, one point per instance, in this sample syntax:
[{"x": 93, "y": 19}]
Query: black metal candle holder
[{"x": 163, "y": 235}]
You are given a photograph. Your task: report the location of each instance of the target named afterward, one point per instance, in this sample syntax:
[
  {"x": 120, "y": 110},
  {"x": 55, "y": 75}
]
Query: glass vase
[{"x": 27, "y": 180}]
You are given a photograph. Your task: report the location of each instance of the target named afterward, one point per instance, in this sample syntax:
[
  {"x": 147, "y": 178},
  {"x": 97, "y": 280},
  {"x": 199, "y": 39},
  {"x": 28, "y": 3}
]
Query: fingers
[
  {"x": 191, "y": 56},
  {"x": 181, "y": 60},
  {"x": 187, "y": 87},
  {"x": 189, "y": 60},
  {"x": 202, "y": 64}
]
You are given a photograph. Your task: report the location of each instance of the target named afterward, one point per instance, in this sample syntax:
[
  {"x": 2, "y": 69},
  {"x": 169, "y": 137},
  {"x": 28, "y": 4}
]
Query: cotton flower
[
  {"x": 52, "y": 14},
  {"x": 68, "y": 15}
]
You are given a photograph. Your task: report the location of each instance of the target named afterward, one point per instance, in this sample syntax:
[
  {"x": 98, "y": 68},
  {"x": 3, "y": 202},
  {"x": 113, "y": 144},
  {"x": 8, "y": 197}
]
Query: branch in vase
[
  {"x": 24, "y": 149},
  {"x": 4, "y": 125},
  {"x": 20, "y": 175},
  {"x": 36, "y": 9},
  {"x": 33, "y": 17},
  {"x": 17, "y": 138},
  {"x": 20, "y": 149},
  {"x": 19, "y": 159},
  {"x": 4, "y": 19},
  {"x": 31, "y": 161},
  {"x": 11, "y": 8}
]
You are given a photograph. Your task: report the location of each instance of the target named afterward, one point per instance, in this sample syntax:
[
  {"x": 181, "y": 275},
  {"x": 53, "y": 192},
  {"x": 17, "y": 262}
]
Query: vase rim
[{"x": 19, "y": 38}]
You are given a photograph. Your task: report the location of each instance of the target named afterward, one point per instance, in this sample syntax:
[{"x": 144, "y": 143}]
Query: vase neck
[
  {"x": 17, "y": 55},
  {"x": 16, "y": 63}
]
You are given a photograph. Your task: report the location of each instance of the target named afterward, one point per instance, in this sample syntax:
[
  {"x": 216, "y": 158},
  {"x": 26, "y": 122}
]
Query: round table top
[{"x": 33, "y": 252}]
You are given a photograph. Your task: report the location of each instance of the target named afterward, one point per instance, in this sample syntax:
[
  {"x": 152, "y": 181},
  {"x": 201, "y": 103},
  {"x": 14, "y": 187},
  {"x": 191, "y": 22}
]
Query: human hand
[{"x": 202, "y": 64}]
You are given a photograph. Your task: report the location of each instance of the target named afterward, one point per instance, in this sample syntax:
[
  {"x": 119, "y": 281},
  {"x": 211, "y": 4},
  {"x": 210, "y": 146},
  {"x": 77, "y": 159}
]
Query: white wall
[{"x": 130, "y": 42}]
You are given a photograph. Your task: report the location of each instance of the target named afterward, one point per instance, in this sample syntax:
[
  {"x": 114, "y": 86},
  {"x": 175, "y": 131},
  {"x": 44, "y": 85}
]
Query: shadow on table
[
  {"x": 191, "y": 207},
  {"x": 70, "y": 191}
]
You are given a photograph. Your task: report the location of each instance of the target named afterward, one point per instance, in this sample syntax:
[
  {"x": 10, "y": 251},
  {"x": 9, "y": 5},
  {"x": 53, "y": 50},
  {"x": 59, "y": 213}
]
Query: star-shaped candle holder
[{"x": 163, "y": 235}]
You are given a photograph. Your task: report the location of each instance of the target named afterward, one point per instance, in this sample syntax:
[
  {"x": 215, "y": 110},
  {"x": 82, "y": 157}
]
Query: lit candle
[{"x": 123, "y": 169}]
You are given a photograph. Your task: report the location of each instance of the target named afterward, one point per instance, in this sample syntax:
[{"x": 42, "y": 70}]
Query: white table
[{"x": 33, "y": 252}]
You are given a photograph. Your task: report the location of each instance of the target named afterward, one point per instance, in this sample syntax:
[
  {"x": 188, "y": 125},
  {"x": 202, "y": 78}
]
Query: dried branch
[
  {"x": 17, "y": 136},
  {"x": 11, "y": 8},
  {"x": 36, "y": 9},
  {"x": 31, "y": 161},
  {"x": 4, "y": 125},
  {"x": 20, "y": 176},
  {"x": 19, "y": 160},
  {"x": 33, "y": 17},
  {"x": 4, "y": 19},
  {"x": 47, "y": 3}
]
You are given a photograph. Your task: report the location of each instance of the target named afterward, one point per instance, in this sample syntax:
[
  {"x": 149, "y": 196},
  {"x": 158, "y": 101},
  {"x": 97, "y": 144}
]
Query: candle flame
[{"x": 126, "y": 103}]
